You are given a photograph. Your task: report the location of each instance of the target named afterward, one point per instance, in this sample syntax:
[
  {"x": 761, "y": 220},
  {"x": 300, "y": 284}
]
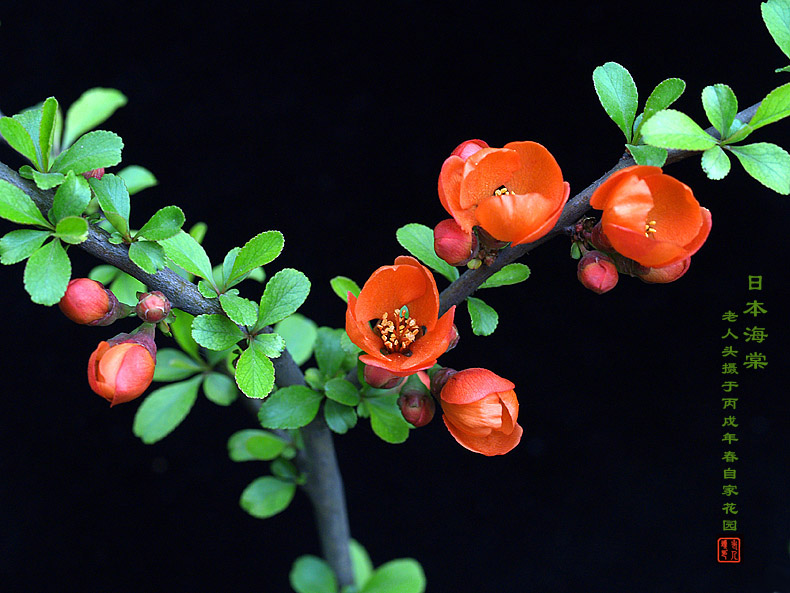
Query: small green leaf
[
  {"x": 47, "y": 130},
  {"x": 386, "y": 419},
  {"x": 164, "y": 409},
  {"x": 360, "y": 563},
  {"x": 767, "y": 163},
  {"x": 328, "y": 352},
  {"x": 311, "y": 574},
  {"x": 665, "y": 93},
  {"x": 715, "y": 163},
  {"x": 149, "y": 256},
  {"x": 342, "y": 286},
  {"x": 91, "y": 109},
  {"x": 18, "y": 138},
  {"x": 338, "y": 417},
  {"x": 47, "y": 273},
  {"x": 617, "y": 92},
  {"x": 92, "y": 151},
  {"x": 271, "y": 345},
  {"x": 216, "y": 332},
  {"x": 18, "y": 245},
  {"x": 254, "y": 372},
  {"x": 220, "y": 389},
  {"x": 174, "y": 365},
  {"x": 182, "y": 332},
  {"x": 673, "y": 129},
  {"x": 258, "y": 251},
  {"x": 16, "y": 206},
  {"x": 300, "y": 334},
  {"x": 284, "y": 294},
  {"x": 46, "y": 181},
  {"x": 113, "y": 200},
  {"x": 417, "y": 239},
  {"x": 290, "y": 407},
  {"x": 207, "y": 290},
  {"x": 776, "y": 14},
  {"x": 72, "y": 229},
  {"x": 774, "y": 107},
  {"x": 72, "y": 197},
  {"x": 186, "y": 252},
  {"x": 342, "y": 391},
  {"x": 648, "y": 155},
  {"x": 404, "y": 575},
  {"x": 126, "y": 287},
  {"x": 484, "y": 318},
  {"x": 255, "y": 445},
  {"x": 267, "y": 496},
  {"x": 137, "y": 178},
  {"x": 165, "y": 223},
  {"x": 240, "y": 310},
  {"x": 510, "y": 274},
  {"x": 104, "y": 274},
  {"x": 720, "y": 106}
]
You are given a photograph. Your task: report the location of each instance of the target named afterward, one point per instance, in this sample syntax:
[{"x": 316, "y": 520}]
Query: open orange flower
[
  {"x": 650, "y": 217},
  {"x": 515, "y": 193},
  {"x": 480, "y": 411},
  {"x": 395, "y": 319}
]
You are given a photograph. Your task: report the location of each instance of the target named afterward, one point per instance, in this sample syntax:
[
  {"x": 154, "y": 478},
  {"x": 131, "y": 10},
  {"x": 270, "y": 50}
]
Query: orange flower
[
  {"x": 650, "y": 217},
  {"x": 480, "y": 411},
  {"x": 122, "y": 370},
  {"x": 395, "y": 319},
  {"x": 516, "y": 193}
]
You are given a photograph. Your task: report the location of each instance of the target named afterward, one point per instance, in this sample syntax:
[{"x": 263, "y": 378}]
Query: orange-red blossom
[
  {"x": 395, "y": 319},
  {"x": 515, "y": 193},
  {"x": 650, "y": 217},
  {"x": 481, "y": 411},
  {"x": 122, "y": 369}
]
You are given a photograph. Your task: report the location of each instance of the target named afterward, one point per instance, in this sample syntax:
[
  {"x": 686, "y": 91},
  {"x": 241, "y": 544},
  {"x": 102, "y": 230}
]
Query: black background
[{"x": 331, "y": 126}]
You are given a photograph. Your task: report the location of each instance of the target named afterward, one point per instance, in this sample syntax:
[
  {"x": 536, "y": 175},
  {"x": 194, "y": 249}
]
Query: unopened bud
[
  {"x": 95, "y": 173},
  {"x": 454, "y": 339},
  {"x": 597, "y": 272},
  {"x": 666, "y": 274},
  {"x": 415, "y": 401},
  {"x": 452, "y": 244},
  {"x": 89, "y": 303},
  {"x": 468, "y": 148},
  {"x": 152, "y": 307},
  {"x": 380, "y": 378},
  {"x": 439, "y": 377},
  {"x": 599, "y": 240}
]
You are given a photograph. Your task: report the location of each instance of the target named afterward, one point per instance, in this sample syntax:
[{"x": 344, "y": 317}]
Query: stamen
[
  {"x": 649, "y": 228},
  {"x": 399, "y": 333},
  {"x": 501, "y": 191}
]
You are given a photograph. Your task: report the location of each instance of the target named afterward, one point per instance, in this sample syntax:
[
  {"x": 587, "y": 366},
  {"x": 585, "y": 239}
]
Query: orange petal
[
  {"x": 511, "y": 217},
  {"x": 484, "y": 172},
  {"x": 470, "y": 385},
  {"x": 425, "y": 308},
  {"x": 450, "y": 184},
  {"x": 359, "y": 332},
  {"x": 538, "y": 172},
  {"x": 509, "y": 410},
  {"x": 611, "y": 186},
  {"x": 704, "y": 231},
  {"x": 647, "y": 251},
  {"x": 675, "y": 210},
  {"x": 389, "y": 288},
  {"x": 496, "y": 443}
]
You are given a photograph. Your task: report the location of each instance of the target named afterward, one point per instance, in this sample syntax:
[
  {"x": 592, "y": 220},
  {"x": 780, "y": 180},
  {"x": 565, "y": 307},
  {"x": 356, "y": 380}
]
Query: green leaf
[
  {"x": 311, "y": 574},
  {"x": 47, "y": 273},
  {"x": 673, "y": 129},
  {"x": 271, "y": 345},
  {"x": 149, "y": 256},
  {"x": 241, "y": 311},
  {"x": 417, "y": 239},
  {"x": 137, "y": 178},
  {"x": 774, "y": 107},
  {"x": 72, "y": 197},
  {"x": 46, "y": 181},
  {"x": 207, "y": 290},
  {"x": 18, "y": 245},
  {"x": 300, "y": 334},
  {"x": 113, "y": 200},
  {"x": 220, "y": 389},
  {"x": 715, "y": 163},
  {"x": 258, "y": 251},
  {"x": 767, "y": 163},
  {"x": 182, "y": 332},
  {"x": 164, "y": 409},
  {"x": 72, "y": 229},
  {"x": 342, "y": 391},
  {"x": 18, "y": 138},
  {"x": 174, "y": 365},
  {"x": 665, "y": 93},
  {"x": 267, "y": 496},
  {"x": 186, "y": 252},
  {"x": 290, "y": 407},
  {"x": 360, "y": 563},
  {"x": 648, "y": 155},
  {"x": 165, "y": 223},
  {"x": 342, "y": 286},
  {"x": 125, "y": 288},
  {"x": 617, "y": 92},
  {"x": 254, "y": 372},
  {"x": 484, "y": 318},
  {"x": 92, "y": 151},
  {"x": 510, "y": 274},
  {"x": 16, "y": 206},
  {"x": 47, "y": 130},
  {"x": 90, "y": 110},
  {"x": 338, "y": 417},
  {"x": 386, "y": 419},
  {"x": 328, "y": 352},
  {"x": 284, "y": 294},
  {"x": 404, "y": 575},
  {"x": 104, "y": 274},
  {"x": 776, "y": 14},
  {"x": 216, "y": 332},
  {"x": 720, "y": 106},
  {"x": 254, "y": 444}
]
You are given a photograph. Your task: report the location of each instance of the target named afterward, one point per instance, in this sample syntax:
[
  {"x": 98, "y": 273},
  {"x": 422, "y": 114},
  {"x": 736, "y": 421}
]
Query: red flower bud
[
  {"x": 597, "y": 272},
  {"x": 89, "y": 303},
  {"x": 122, "y": 368},
  {"x": 453, "y": 244},
  {"x": 666, "y": 274},
  {"x": 468, "y": 148},
  {"x": 380, "y": 378},
  {"x": 153, "y": 307},
  {"x": 415, "y": 401},
  {"x": 599, "y": 240},
  {"x": 95, "y": 173}
]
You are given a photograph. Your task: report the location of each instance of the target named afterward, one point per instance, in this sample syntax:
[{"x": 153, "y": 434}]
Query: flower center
[
  {"x": 501, "y": 191},
  {"x": 649, "y": 227},
  {"x": 398, "y": 333}
]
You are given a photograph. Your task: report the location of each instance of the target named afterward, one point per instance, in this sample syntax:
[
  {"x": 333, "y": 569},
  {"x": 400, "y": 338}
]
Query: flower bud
[
  {"x": 87, "y": 302},
  {"x": 439, "y": 377},
  {"x": 666, "y": 274},
  {"x": 452, "y": 244},
  {"x": 456, "y": 337},
  {"x": 122, "y": 368},
  {"x": 599, "y": 240},
  {"x": 597, "y": 272},
  {"x": 95, "y": 173},
  {"x": 152, "y": 307},
  {"x": 415, "y": 402},
  {"x": 380, "y": 378},
  {"x": 468, "y": 148}
]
